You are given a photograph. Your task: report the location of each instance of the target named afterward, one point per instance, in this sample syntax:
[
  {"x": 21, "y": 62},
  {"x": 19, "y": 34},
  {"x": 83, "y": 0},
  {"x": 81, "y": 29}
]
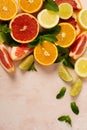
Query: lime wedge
[
  {"x": 26, "y": 63},
  {"x": 65, "y": 74},
  {"x": 76, "y": 87}
]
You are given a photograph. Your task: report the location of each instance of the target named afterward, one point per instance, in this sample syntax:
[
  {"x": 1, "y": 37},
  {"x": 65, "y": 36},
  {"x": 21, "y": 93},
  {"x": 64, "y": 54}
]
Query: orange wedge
[
  {"x": 66, "y": 36},
  {"x": 46, "y": 53},
  {"x": 8, "y": 9}
]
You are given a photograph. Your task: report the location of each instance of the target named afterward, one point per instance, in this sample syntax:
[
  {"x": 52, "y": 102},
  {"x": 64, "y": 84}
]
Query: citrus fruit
[
  {"x": 81, "y": 67},
  {"x": 66, "y": 36},
  {"x": 19, "y": 52},
  {"x": 79, "y": 46},
  {"x": 82, "y": 18},
  {"x": 30, "y": 6},
  {"x": 76, "y": 87},
  {"x": 65, "y": 10},
  {"x": 64, "y": 74},
  {"x": 5, "y": 59},
  {"x": 26, "y": 63},
  {"x": 46, "y": 53},
  {"x": 48, "y": 18},
  {"x": 24, "y": 28},
  {"x": 76, "y": 4},
  {"x": 8, "y": 9}
]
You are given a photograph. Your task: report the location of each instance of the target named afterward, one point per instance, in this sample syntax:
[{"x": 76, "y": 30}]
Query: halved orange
[
  {"x": 46, "y": 53},
  {"x": 30, "y": 6},
  {"x": 8, "y": 9},
  {"x": 66, "y": 36}
]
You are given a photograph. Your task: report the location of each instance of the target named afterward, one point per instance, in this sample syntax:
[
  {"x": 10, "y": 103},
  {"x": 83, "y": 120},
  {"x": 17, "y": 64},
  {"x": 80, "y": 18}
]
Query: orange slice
[
  {"x": 30, "y": 6},
  {"x": 66, "y": 36},
  {"x": 8, "y": 9},
  {"x": 46, "y": 53}
]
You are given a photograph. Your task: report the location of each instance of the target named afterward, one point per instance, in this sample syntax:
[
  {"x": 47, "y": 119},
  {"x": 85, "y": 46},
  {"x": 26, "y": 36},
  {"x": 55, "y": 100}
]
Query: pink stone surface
[{"x": 28, "y": 100}]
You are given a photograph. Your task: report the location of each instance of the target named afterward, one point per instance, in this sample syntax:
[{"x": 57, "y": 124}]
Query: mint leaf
[
  {"x": 32, "y": 67},
  {"x": 51, "y": 5},
  {"x": 74, "y": 108},
  {"x": 4, "y": 28},
  {"x": 65, "y": 118},
  {"x": 61, "y": 93}
]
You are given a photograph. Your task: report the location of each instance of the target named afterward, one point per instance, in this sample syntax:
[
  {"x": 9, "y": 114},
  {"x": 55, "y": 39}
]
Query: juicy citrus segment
[
  {"x": 65, "y": 74},
  {"x": 82, "y": 18},
  {"x": 26, "y": 63},
  {"x": 8, "y": 9},
  {"x": 24, "y": 28},
  {"x": 47, "y": 18},
  {"x": 66, "y": 36},
  {"x": 81, "y": 67},
  {"x": 46, "y": 53},
  {"x": 65, "y": 10},
  {"x": 79, "y": 46},
  {"x": 76, "y": 88},
  {"x": 30, "y": 6}
]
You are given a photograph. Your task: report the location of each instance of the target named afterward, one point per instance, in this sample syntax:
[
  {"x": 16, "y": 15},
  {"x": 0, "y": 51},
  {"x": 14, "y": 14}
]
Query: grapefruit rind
[
  {"x": 24, "y": 28},
  {"x": 81, "y": 67}
]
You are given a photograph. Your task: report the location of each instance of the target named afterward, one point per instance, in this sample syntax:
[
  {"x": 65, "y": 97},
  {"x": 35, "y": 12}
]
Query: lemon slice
[
  {"x": 65, "y": 74},
  {"x": 82, "y": 18},
  {"x": 81, "y": 67},
  {"x": 47, "y": 18},
  {"x": 65, "y": 10},
  {"x": 76, "y": 87}
]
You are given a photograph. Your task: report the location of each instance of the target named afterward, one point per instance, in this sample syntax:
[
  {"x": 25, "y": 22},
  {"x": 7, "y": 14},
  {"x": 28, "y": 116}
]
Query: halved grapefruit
[
  {"x": 75, "y": 3},
  {"x": 24, "y": 28},
  {"x": 79, "y": 46},
  {"x": 19, "y": 52}
]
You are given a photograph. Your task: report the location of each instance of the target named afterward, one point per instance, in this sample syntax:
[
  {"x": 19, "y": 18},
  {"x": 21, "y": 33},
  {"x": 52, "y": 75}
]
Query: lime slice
[
  {"x": 65, "y": 10},
  {"x": 65, "y": 74},
  {"x": 82, "y": 18},
  {"x": 47, "y": 18},
  {"x": 76, "y": 87},
  {"x": 81, "y": 67},
  {"x": 26, "y": 63}
]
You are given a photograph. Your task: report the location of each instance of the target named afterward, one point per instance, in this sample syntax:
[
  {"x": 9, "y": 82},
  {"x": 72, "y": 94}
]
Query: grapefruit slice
[
  {"x": 76, "y": 4},
  {"x": 24, "y": 28},
  {"x": 5, "y": 59},
  {"x": 19, "y": 52},
  {"x": 79, "y": 46}
]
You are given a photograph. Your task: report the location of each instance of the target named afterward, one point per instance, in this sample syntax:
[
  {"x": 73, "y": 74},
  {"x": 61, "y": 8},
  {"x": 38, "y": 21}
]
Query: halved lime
[
  {"x": 65, "y": 74},
  {"x": 65, "y": 10},
  {"x": 27, "y": 62},
  {"x": 76, "y": 87}
]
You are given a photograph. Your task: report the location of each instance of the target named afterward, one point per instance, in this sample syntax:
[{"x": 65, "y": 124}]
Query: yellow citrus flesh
[
  {"x": 66, "y": 36},
  {"x": 30, "y": 6},
  {"x": 46, "y": 53},
  {"x": 65, "y": 10},
  {"x": 48, "y": 19},
  {"x": 81, "y": 67},
  {"x": 8, "y": 9},
  {"x": 82, "y": 18}
]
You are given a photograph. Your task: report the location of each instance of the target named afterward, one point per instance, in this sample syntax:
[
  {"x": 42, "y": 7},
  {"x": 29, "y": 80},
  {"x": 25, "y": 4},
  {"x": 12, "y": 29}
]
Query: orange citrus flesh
[
  {"x": 66, "y": 36},
  {"x": 8, "y": 9},
  {"x": 46, "y": 53},
  {"x": 30, "y": 6}
]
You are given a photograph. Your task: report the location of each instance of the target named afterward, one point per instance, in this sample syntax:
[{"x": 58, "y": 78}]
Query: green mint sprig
[{"x": 65, "y": 118}]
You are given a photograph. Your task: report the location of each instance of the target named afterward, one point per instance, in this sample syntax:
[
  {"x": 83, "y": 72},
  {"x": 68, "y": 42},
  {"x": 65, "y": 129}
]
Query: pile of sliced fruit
[{"x": 45, "y": 31}]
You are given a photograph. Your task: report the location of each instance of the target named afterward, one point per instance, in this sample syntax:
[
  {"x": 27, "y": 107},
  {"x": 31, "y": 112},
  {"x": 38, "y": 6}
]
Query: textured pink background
[{"x": 28, "y": 100}]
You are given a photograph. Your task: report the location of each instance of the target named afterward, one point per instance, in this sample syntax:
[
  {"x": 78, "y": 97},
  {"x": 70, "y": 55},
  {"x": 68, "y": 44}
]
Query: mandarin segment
[
  {"x": 46, "y": 53},
  {"x": 30, "y": 6},
  {"x": 8, "y": 9},
  {"x": 66, "y": 36}
]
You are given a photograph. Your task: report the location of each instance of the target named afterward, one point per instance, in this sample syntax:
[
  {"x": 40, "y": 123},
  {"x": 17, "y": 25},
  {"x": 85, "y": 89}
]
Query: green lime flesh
[
  {"x": 65, "y": 74},
  {"x": 26, "y": 63},
  {"x": 76, "y": 87}
]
